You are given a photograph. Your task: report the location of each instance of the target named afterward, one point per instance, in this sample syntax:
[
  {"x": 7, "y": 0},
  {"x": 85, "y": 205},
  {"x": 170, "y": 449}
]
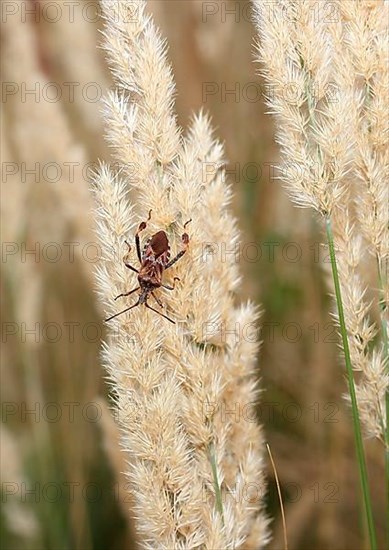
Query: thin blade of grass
[
  {"x": 354, "y": 405},
  {"x": 279, "y": 497}
]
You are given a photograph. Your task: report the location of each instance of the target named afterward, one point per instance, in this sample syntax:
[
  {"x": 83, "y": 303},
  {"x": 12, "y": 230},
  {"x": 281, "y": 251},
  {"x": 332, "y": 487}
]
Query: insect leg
[
  {"x": 125, "y": 259},
  {"x": 157, "y": 299},
  {"x": 141, "y": 227},
  {"x": 131, "y": 267},
  {"x": 120, "y": 312},
  {"x": 127, "y": 293},
  {"x": 185, "y": 243},
  {"x": 174, "y": 284},
  {"x": 159, "y": 313}
]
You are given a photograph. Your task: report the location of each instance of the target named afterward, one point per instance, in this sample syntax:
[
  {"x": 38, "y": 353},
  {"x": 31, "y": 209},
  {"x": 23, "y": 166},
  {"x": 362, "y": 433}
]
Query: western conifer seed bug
[{"x": 154, "y": 260}]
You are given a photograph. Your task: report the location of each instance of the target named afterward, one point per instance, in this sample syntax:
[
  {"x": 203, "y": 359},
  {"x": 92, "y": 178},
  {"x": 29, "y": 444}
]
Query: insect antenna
[
  {"x": 127, "y": 293},
  {"x": 159, "y": 313},
  {"x": 120, "y": 312}
]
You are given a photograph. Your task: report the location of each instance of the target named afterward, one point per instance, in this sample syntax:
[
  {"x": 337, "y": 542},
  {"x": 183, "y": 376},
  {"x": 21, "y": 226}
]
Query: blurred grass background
[{"x": 61, "y": 464}]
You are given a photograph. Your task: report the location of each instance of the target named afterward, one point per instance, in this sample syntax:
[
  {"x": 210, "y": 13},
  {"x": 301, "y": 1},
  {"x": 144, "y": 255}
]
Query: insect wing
[{"x": 158, "y": 247}]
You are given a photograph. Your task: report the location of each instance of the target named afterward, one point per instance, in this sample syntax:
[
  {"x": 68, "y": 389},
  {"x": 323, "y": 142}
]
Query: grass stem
[
  {"x": 218, "y": 494},
  {"x": 384, "y": 323},
  {"x": 279, "y": 497},
  {"x": 354, "y": 405}
]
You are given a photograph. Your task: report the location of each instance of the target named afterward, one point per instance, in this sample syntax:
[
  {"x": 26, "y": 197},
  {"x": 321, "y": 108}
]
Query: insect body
[{"x": 154, "y": 260}]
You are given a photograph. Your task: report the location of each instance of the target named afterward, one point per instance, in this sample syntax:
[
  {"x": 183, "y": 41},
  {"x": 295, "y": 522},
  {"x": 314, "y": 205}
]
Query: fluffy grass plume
[
  {"x": 327, "y": 67},
  {"x": 327, "y": 81},
  {"x": 185, "y": 392}
]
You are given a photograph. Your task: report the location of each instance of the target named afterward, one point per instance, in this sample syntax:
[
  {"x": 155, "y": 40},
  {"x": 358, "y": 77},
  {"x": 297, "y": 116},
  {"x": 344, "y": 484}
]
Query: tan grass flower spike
[
  {"x": 185, "y": 391},
  {"x": 327, "y": 66},
  {"x": 327, "y": 69}
]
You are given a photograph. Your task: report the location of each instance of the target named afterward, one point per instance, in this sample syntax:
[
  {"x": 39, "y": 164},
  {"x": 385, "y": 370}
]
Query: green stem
[
  {"x": 354, "y": 405},
  {"x": 383, "y": 282},
  {"x": 218, "y": 494}
]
